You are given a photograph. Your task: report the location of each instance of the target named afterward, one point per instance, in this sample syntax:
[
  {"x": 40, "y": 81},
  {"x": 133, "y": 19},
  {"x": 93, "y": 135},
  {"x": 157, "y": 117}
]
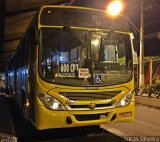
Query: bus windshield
[{"x": 84, "y": 58}]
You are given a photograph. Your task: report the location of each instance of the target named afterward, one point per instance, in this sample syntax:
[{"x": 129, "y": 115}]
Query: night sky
[{"x": 152, "y": 47}]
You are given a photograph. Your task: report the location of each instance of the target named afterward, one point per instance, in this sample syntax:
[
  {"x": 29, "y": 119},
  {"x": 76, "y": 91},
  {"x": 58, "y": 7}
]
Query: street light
[{"x": 114, "y": 8}]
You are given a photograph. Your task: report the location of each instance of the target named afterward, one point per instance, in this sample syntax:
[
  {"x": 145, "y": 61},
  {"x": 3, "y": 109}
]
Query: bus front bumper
[{"x": 48, "y": 119}]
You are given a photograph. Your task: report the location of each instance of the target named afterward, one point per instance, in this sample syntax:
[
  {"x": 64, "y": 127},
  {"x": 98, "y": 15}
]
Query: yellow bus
[{"x": 74, "y": 67}]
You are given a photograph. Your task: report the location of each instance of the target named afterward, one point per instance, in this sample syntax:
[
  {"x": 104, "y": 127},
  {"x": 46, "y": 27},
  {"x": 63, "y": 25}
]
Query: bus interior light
[{"x": 95, "y": 42}]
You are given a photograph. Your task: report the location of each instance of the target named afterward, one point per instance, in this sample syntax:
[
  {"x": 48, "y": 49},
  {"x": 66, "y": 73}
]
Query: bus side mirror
[{"x": 135, "y": 58}]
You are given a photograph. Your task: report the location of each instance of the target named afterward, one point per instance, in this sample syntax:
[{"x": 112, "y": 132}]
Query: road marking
[
  {"x": 113, "y": 130},
  {"x": 144, "y": 123},
  {"x": 140, "y": 106}
]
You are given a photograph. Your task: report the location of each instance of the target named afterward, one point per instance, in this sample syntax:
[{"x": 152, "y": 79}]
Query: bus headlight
[
  {"x": 126, "y": 100},
  {"x": 50, "y": 102}
]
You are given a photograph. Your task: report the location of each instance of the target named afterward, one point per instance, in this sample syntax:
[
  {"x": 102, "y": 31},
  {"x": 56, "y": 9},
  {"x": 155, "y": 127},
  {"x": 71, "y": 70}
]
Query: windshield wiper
[
  {"x": 76, "y": 35},
  {"x": 68, "y": 28},
  {"x": 106, "y": 43}
]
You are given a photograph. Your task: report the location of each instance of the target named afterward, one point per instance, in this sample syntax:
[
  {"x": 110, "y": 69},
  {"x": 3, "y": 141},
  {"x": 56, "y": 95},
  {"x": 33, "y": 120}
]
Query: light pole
[{"x": 141, "y": 56}]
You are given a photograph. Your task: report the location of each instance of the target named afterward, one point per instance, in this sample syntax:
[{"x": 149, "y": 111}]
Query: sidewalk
[
  {"x": 6, "y": 128},
  {"x": 7, "y": 138},
  {"x": 153, "y": 102}
]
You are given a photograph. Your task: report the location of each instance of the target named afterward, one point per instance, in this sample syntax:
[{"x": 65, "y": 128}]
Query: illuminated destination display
[{"x": 68, "y": 68}]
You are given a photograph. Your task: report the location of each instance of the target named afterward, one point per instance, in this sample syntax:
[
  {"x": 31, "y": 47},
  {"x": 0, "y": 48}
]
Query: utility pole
[
  {"x": 141, "y": 61},
  {"x": 150, "y": 71},
  {"x": 2, "y": 29}
]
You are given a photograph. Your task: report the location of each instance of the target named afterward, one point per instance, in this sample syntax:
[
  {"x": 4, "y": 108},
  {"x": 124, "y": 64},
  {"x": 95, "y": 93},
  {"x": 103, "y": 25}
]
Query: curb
[{"x": 153, "y": 102}]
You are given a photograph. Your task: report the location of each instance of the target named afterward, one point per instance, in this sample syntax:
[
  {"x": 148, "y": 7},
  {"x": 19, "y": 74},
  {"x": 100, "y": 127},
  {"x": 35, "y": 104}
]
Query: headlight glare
[
  {"x": 55, "y": 105},
  {"x": 126, "y": 100},
  {"x": 50, "y": 102},
  {"x": 122, "y": 102}
]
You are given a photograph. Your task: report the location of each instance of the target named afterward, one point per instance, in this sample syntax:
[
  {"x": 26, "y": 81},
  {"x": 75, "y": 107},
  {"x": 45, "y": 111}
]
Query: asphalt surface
[{"x": 146, "y": 123}]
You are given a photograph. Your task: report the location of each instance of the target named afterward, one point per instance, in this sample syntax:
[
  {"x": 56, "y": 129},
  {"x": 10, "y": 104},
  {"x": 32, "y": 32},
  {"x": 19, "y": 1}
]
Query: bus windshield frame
[{"x": 68, "y": 54}]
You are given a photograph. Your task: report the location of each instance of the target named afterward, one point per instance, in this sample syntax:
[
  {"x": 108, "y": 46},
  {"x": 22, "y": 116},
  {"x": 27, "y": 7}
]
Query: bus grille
[
  {"x": 87, "y": 106},
  {"x": 87, "y": 117},
  {"x": 90, "y": 95}
]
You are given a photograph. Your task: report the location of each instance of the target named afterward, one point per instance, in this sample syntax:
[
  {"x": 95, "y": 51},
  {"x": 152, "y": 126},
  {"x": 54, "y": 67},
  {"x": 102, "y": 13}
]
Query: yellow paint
[{"x": 46, "y": 119}]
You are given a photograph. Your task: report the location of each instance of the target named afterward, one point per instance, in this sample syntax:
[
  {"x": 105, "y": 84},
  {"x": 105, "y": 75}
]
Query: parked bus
[{"x": 74, "y": 67}]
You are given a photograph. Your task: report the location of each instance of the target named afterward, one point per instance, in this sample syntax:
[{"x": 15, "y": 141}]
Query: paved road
[{"x": 147, "y": 123}]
